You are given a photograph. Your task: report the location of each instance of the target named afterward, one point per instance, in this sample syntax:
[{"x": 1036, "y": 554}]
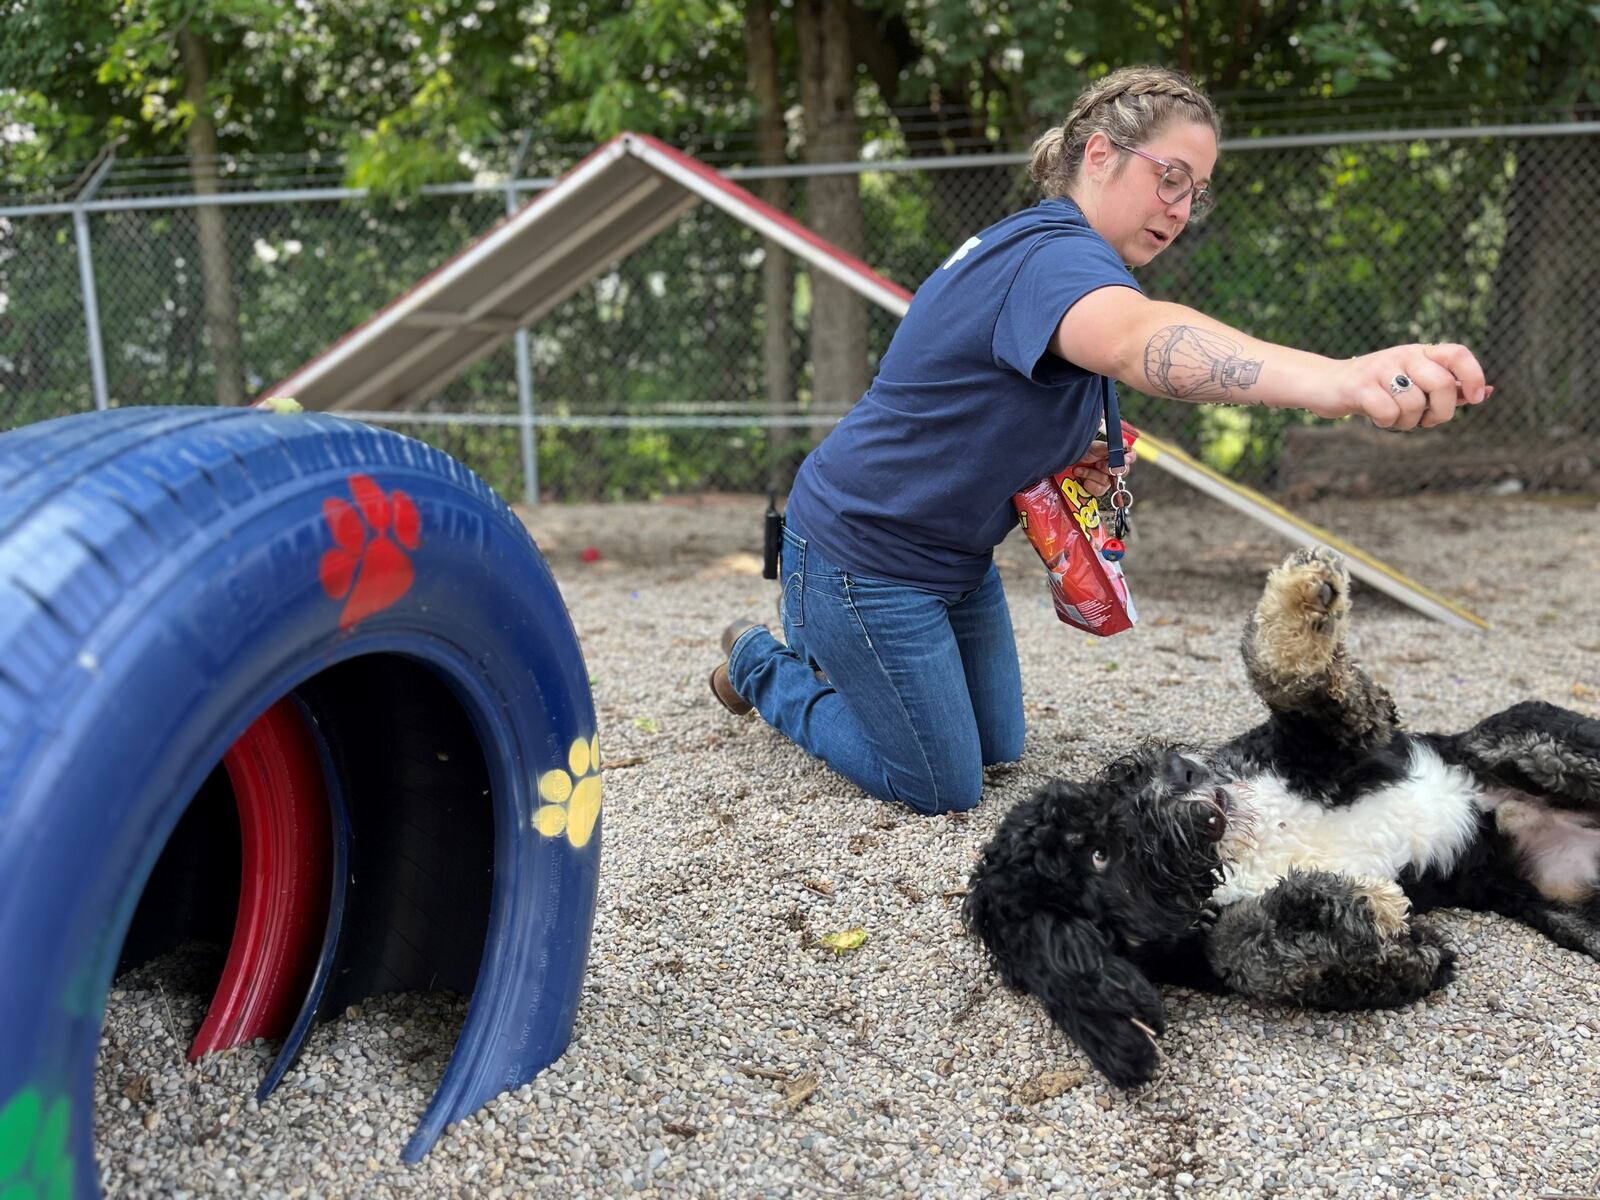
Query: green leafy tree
[
  {"x": 159, "y": 76},
  {"x": 437, "y": 90}
]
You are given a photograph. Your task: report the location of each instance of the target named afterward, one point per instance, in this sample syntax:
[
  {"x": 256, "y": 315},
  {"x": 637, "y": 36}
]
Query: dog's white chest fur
[{"x": 1424, "y": 820}]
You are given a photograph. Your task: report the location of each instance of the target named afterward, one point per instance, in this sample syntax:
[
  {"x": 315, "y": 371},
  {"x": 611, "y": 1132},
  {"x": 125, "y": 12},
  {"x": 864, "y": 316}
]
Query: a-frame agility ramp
[{"x": 609, "y": 205}]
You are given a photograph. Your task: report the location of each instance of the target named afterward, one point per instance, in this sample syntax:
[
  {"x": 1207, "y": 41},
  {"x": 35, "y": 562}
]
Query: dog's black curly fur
[{"x": 1092, "y": 893}]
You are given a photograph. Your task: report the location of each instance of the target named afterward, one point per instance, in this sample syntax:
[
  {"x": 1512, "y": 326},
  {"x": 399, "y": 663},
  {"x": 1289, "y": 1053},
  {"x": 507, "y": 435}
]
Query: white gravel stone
[{"x": 707, "y": 992}]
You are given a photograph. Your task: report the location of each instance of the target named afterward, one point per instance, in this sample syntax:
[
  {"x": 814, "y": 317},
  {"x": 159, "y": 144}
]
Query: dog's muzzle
[{"x": 1219, "y": 802}]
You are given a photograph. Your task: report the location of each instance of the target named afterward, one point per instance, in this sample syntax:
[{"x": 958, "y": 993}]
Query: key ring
[
  {"x": 1121, "y": 498},
  {"x": 1121, "y": 501}
]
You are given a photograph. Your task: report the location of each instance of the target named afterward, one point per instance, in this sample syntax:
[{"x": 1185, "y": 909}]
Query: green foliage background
[{"x": 1336, "y": 249}]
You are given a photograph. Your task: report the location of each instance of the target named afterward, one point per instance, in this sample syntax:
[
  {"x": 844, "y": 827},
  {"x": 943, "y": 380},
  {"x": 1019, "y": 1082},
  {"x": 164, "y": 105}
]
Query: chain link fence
[{"x": 653, "y": 380}]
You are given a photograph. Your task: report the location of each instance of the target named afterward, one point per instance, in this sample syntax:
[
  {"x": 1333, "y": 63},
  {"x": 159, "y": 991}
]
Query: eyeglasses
[{"x": 1175, "y": 184}]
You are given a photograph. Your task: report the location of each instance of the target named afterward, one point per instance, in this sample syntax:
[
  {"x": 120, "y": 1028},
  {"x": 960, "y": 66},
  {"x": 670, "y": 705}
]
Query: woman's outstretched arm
[{"x": 1167, "y": 349}]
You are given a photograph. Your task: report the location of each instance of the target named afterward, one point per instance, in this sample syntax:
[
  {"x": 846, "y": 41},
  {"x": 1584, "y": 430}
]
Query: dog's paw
[
  {"x": 1386, "y": 901},
  {"x": 1445, "y": 973},
  {"x": 1323, "y": 559},
  {"x": 1406, "y": 969},
  {"x": 1124, "y": 1050},
  {"x": 1301, "y": 617},
  {"x": 1435, "y": 957},
  {"x": 1311, "y": 588},
  {"x": 1116, "y": 1020}
]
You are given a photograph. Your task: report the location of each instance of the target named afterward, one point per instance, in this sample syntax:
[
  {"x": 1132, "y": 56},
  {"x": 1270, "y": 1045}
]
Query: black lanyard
[{"x": 1116, "y": 453}]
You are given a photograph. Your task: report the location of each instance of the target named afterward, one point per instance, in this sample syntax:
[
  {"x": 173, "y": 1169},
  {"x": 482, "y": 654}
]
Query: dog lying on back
[{"x": 1285, "y": 863}]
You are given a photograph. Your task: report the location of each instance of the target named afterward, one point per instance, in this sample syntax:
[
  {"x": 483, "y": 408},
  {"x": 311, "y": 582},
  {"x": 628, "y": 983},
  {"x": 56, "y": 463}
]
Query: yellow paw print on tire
[{"x": 570, "y": 799}]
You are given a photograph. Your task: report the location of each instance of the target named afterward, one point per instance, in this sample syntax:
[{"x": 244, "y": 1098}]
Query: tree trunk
[
  {"x": 777, "y": 272},
  {"x": 833, "y": 202},
  {"x": 216, "y": 271},
  {"x": 888, "y": 50}
]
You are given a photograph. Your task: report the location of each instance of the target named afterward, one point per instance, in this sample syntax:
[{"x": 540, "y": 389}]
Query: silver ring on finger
[{"x": 1400, "y": 383}]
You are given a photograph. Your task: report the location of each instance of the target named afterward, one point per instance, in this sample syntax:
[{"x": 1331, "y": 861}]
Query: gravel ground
[{"x": 722, "y": 1051}]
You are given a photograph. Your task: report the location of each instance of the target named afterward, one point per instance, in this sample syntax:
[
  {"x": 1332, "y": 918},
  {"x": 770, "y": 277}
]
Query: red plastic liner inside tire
[{"x": 286, "y": 846}]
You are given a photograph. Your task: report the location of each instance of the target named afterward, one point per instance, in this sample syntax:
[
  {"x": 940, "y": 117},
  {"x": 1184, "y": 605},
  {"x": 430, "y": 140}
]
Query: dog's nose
[{"x": 1183, "y": 774}]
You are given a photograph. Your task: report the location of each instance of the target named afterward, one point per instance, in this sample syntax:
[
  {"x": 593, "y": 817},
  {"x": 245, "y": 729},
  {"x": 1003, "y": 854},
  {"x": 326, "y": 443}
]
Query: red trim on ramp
[{"x": 750, "y": 200}]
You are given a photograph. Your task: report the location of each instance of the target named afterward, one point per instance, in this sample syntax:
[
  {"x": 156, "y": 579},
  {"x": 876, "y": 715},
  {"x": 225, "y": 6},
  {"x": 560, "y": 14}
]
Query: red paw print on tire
[{"x": 365, "y": 567}]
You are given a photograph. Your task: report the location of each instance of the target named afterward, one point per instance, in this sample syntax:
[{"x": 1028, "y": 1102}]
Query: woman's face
[{"x": 1117, "y": 190}]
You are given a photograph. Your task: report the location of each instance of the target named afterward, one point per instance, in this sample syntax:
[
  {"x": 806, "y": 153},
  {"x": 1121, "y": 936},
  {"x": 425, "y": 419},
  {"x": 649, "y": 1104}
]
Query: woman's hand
[
  {"x": 1441, "y": 378},
  {"x": 1091, "y": 470}
]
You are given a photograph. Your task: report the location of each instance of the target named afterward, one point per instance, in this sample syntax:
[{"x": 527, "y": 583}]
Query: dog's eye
[{"x": 1100, "y": 859}]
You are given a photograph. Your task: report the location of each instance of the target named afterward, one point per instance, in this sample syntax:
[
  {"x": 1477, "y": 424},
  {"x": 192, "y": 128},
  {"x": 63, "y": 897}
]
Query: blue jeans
[{"x": 922, "y": 691}]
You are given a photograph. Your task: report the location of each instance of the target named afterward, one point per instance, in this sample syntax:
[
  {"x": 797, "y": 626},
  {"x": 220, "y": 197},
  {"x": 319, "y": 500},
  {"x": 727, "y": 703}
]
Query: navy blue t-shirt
[{"x": 969, "y": 407}]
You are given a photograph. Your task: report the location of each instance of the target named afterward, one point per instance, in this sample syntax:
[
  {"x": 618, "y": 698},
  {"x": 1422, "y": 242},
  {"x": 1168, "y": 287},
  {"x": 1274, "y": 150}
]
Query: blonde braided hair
[{"x": 1131, "y": 106}]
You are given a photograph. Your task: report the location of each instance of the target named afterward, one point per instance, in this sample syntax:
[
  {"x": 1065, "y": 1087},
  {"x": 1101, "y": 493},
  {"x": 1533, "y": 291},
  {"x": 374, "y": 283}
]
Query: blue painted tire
[{"x": 165, "y": 575}]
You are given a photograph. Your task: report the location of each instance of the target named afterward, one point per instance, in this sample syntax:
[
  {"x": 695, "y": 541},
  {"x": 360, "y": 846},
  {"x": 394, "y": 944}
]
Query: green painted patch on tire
[{"x": 34, "y": 1164}]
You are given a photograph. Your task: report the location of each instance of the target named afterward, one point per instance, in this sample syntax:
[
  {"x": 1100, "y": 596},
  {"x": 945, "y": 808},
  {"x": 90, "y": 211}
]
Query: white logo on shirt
[{"x": 966, "y": 246}]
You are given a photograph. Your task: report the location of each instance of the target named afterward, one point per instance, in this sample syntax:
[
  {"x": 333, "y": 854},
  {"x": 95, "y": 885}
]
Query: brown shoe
[
  {"x": 731, "y": 634},
  {"x": 722, "y": 689}
]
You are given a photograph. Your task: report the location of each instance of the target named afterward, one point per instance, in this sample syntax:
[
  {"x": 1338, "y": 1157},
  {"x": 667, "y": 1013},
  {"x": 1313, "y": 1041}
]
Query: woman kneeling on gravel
[{"x": 901, "y": 669}]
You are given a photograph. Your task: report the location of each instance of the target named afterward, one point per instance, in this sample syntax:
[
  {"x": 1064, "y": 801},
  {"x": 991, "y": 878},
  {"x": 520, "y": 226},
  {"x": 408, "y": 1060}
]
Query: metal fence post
[
  {"x": 91, "y": 305},
  {"x": 524, "y": 351}
]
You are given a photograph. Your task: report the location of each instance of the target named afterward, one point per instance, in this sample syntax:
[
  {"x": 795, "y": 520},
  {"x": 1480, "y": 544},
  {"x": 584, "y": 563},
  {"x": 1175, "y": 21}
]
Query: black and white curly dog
[{"x": 1285, "y": 863}]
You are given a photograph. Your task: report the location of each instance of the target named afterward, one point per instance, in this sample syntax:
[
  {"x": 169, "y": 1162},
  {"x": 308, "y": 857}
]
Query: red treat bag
[{"x": 1062, "y": 520}]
